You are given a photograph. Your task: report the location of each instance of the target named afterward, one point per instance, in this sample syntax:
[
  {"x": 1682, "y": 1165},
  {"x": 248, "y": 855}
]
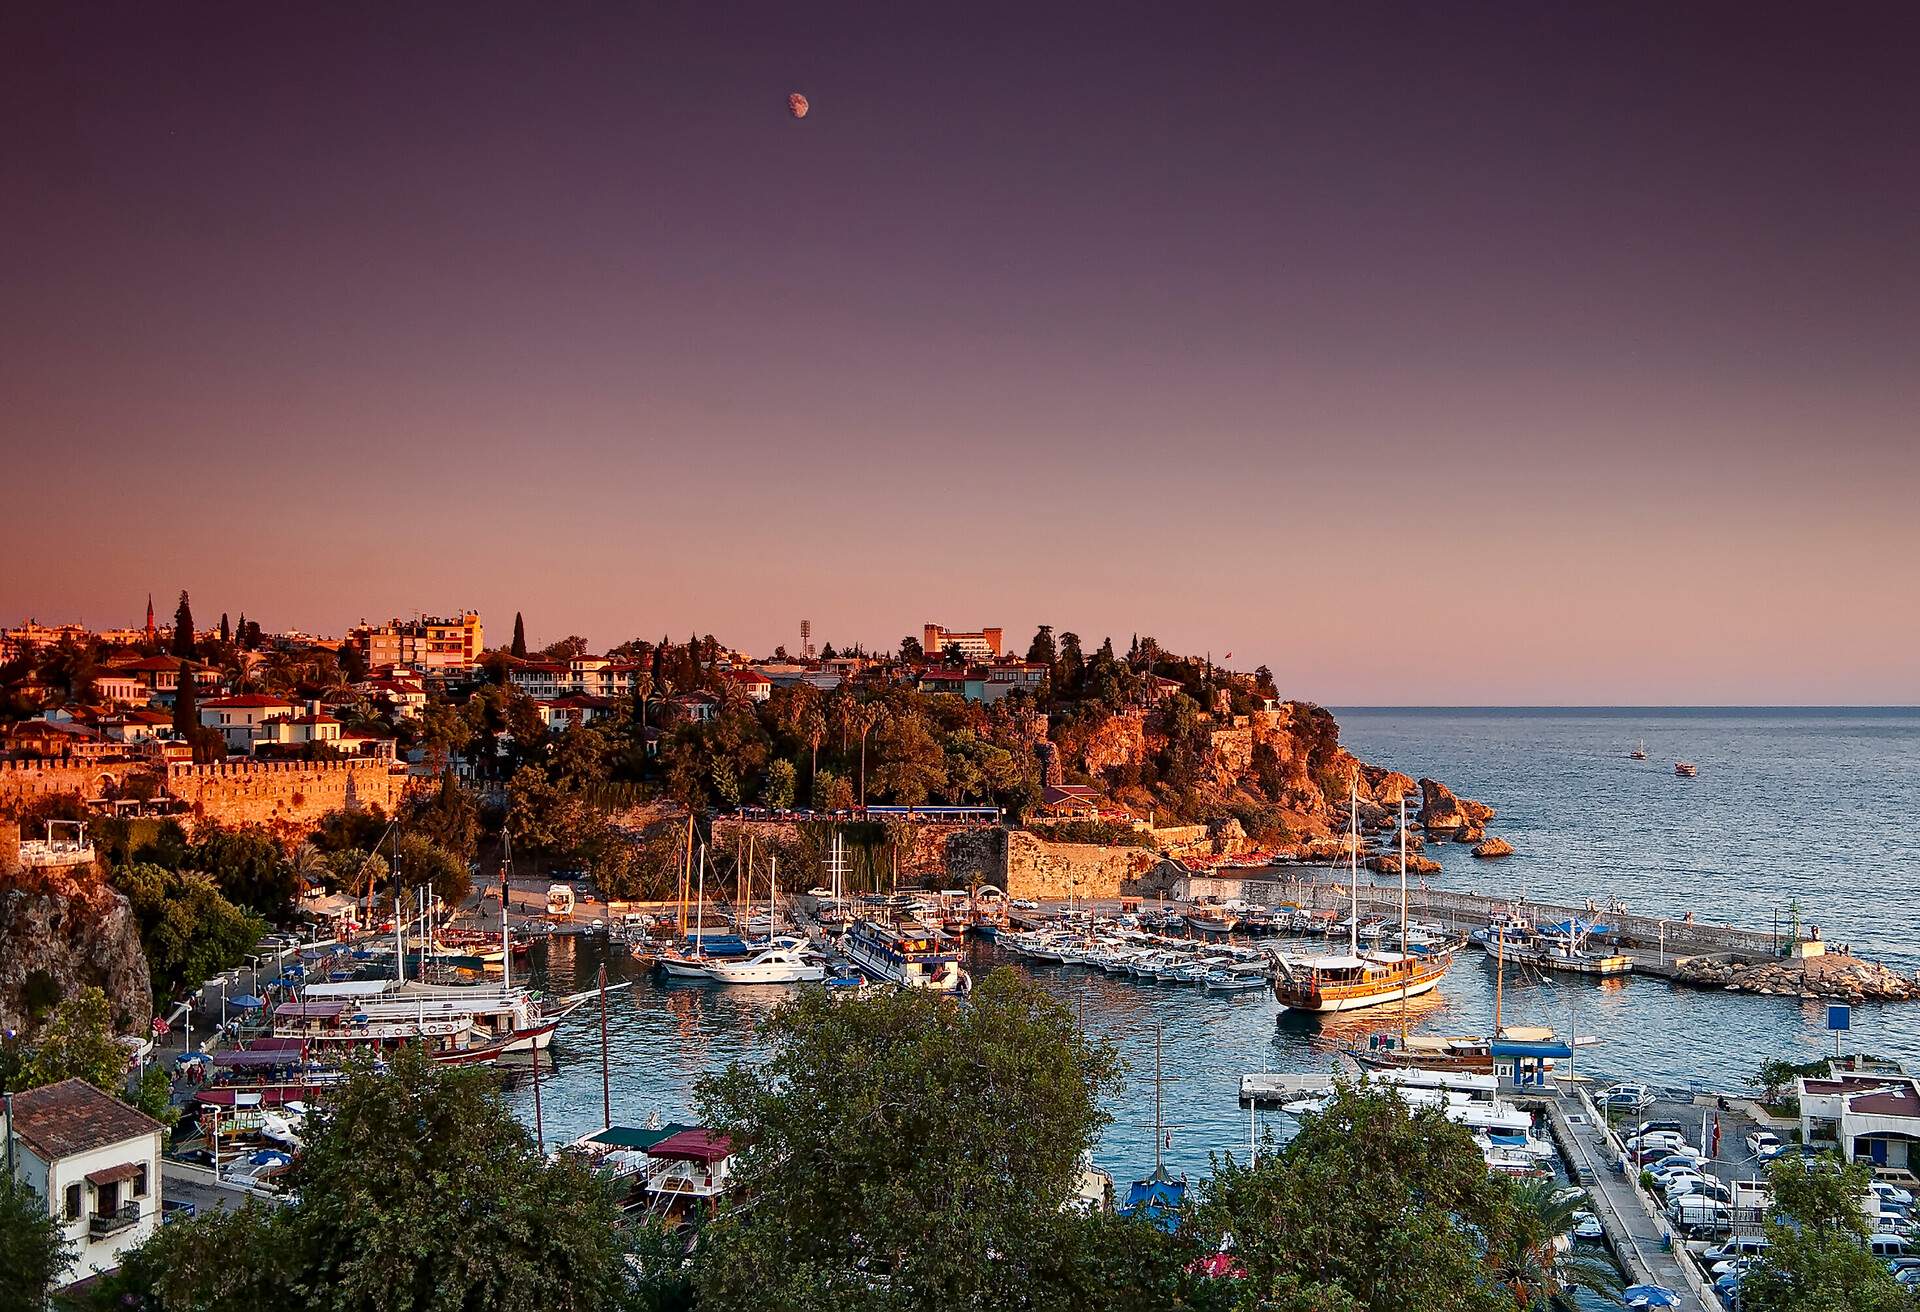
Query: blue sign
[{"x": 1839, "y": 1018}]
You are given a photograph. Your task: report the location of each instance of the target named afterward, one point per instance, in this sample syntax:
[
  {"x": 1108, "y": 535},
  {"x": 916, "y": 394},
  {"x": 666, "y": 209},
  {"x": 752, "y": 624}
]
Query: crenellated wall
[{"x": 284, "y": 792}]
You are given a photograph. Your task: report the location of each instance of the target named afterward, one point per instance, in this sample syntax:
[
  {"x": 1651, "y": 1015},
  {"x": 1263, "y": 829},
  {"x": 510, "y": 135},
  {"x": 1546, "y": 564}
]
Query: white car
[
  {"x": 1763, "y": 1143},
  {"x": 1024, "y": 904},
  {"x": 1631, "y": 1097},
  {"x": 1698, "y": 1186},
  {"x": 1891, "y": 1193}
]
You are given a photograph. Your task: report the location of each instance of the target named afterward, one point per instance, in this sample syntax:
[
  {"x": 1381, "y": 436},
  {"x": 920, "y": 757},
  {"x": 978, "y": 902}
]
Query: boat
[
  {"x": 908, "y": 954},
  {"x": 1685, "y": 769},
  {"x": 1563, "y": 945},
  {"x": 1639, "y": 752},
  {"x": 1350, "y": 981},
  {"x": 1159, "y": 1197},
  {"x": 775, "y": 965}
]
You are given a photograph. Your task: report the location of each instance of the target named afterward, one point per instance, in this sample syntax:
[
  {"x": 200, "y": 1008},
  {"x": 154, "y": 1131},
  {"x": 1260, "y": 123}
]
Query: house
[
  {"x": 446, "y": 644},
  {"x": 161, "y": 674},
  {"x": 57, "y": 740},
  {"x": 240, "y": 718},
  {"x": 96, "y": 1163},
  {"x": 563, "y": 713},
  {"x": 296, "y": 731},
  {"x": 121, "y": 689},
  {"x": 1870, "y": 1115},
  {"x": 407, "y": 697},
  {"x": 1070, "y": 801},
  {"x": 582, "y": 676},
  {"x": 1159, "y": 688},
  {"x": 699, "y": 707},
  {"x": 751, "y": 684},
  {"x": 137, "y": 726}
]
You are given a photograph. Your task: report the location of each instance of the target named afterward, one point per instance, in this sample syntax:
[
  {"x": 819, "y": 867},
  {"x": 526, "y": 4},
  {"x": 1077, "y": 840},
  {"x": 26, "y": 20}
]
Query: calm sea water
[{"x": 1807, "y": 808}]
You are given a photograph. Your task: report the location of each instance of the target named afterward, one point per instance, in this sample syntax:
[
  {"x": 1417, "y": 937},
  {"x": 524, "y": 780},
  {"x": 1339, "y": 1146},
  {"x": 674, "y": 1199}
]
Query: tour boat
[
  {"x": 1561, "y": 946},
  {"x": 1685, "y": 769},
  {"x": 908, "y": 954},
  {"x": 1350, "y": 981},
  {"x": 776, "y": 965}
]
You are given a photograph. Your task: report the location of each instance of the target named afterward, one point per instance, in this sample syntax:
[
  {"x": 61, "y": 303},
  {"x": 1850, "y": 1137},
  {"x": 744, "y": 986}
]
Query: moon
[{"x": 797, "y": 105}]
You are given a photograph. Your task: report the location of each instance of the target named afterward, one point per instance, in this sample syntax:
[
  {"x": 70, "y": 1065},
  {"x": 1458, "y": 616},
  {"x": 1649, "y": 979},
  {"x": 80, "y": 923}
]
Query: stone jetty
[{"x": 1831, "y": 975}]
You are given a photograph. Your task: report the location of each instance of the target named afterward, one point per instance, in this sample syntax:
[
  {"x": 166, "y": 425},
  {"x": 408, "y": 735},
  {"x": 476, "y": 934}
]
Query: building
[
  {"x": 425, "y": 644},
  {"x": 1071, "y": 802},
  {"x": 118, "y": 688},
  {"x": 562, "y": 713},
  {"x": 96, "y": 1163},
  {"x": 407, "y": 697},
  {"x": 240, "y": 718},
  {"x": 57, "y": 740},
  {"x": 137, "y": 726},
  {"x": 981, "y": 683},
  {"x": 751, "y": 684},
  {"x": 1870, "y": 1115},
  {"x": 296, "y": 731},
  {"x": 981, "y": 646},
  {"x": 583, "y": 676},
  {"x": 161, "y": 675}
]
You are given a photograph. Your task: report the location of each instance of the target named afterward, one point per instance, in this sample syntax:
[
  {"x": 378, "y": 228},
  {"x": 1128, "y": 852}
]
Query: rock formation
[
  {"x": 61, "y": 930},
  {"x": 1830, "y": 976},
  {"x": 1388, "y": 863},
  {"x": 1441, "y": 813},
  {"x": 1493, "y": 848}
]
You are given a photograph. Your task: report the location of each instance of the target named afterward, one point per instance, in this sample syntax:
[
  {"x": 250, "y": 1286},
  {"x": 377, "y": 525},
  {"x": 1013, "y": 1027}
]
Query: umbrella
[
  {"x": 297, "y": 972},
  {"x": 361, "y": 954},
  {"x": 1649, "y": 1296},
  {"x": 246, "y": 1001}
]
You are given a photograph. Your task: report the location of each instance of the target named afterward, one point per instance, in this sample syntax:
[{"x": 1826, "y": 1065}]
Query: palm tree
[
  {"x": 864, "y": 718},
  {"x": 1536, "y": 1258},
  {"x": 308, "y": 866},
  {"x": 813, "y": 727}
]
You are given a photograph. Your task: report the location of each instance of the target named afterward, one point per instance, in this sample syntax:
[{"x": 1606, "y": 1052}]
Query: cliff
[{"x": 60, "y": 930}]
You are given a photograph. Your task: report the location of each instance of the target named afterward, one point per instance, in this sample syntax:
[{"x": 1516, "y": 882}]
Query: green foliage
[
  {"x": 1533, "y": 1255},
  {"x": 1371, "y": 1205},
  {"x": 1107, "y": 833},
  {"x": 183, "y": 645},
  {"x": 901, "y": 1145},
  {"x": 249, "y": 867},
  {"x": 153, "y": 1094},
  {"x": 34, "y": 1250},
  {"x": 778, "y": 791},
  {"x": 188, "y": 928},
  {"x": 1816, "y": 1258},
  {"x": 76, "y": 1043},
  {"x": 418, "y": 1191}
]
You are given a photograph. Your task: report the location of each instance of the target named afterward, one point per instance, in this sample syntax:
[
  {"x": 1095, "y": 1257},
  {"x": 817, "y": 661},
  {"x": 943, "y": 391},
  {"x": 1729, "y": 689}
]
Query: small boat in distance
[
  {"x": 1685, "y": 769},
  {"x": 1639, "y": 752}
]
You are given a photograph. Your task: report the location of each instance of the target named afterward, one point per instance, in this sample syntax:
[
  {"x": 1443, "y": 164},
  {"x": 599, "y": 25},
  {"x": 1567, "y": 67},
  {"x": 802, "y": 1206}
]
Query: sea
[{"x": 1811, "y": 814}]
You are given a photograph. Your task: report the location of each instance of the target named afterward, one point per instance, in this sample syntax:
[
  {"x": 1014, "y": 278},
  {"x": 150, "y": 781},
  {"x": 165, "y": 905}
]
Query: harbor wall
[
  {"x": 291, "y": 793},
  {"x": 1028, "y": 867}
]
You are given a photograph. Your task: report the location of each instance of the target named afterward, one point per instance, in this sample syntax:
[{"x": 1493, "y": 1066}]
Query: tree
[
  {"x": 778, "y": 790},
  {"x": 900, "y": 1151},
  {"x": 1534, "y": 1255},
  {"x": 1073, "y": 665},
  {"x": 911, "y": 651},
  {"x": 1816, "y": 1258},
  {"x": 183, "y": 630},
  {"x": 1041, "y": 650},
  {"x": 417, "y": 1189},
  {"x": 188, "y": 929},
  {"x": 186, "y": 711},
  {"x": 226, "y": 634},
  {"x": 77, "y": 1043},
  {"x": 34, "y": 1249},
  {"x": 1372, "y": 1205},
  {"x": 519, "y": 648},
  {"x": 568, "y": 648},
  {"x": 912, "y": 766},
  {"x": 448, "y": 816},
  {"x": 248, "y": 866}
]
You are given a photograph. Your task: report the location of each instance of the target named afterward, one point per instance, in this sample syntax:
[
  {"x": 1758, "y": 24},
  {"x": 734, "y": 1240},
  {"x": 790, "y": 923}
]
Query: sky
[{"x": 1435, "y": 354}]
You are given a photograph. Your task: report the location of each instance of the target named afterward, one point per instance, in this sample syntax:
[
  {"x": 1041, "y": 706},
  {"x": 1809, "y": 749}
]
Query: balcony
[{"x": 102, "y": 1224}]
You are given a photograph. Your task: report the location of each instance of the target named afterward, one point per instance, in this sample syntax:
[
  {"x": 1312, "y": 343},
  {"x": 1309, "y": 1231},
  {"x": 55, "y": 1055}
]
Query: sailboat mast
[
  {"x": 1157, "y": 1130},
  {"x": 1353, "y": 866},
  {"x": 700, "y": 921},
  {"x": 506, "y": 924},
  {"x": 1406, "y": 948},
  {"x": 1499, "y": 972}
]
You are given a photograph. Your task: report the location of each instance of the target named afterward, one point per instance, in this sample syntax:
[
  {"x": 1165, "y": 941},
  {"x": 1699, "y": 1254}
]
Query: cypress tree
[
  {"x": 186, "y": 711},
  {"x": 183, "y": 629},
  {"x": 226, "y": 634},
  {"x": 519, "y": 647}
]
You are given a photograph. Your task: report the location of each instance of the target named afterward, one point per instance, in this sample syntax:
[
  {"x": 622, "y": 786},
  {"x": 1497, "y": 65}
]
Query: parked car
[
  {"x": 1704, "y": 1186},
  {"x": 1883, "y": 1244},
  {"x": 1024, "y": 904},
  {"x": 1694, "y": 1213},
  {"x": 1890, "y": 1192},
  {"x": 1679, "y": 1157},
  {"x": 1663, "y": 1127},
  {"x": 1628, "y": 1097},
  {"x": 1738, "y": 1246},
  {"x": 1665, "y": 1140},
  {"x": 1762, "y": 1143}
]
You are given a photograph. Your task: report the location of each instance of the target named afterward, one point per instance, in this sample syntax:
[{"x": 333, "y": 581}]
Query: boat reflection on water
[{"x": 1338, "y": 1030}]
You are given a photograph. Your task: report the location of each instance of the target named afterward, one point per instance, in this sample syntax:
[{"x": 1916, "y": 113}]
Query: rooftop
[{"x": 59, "y": 1120}]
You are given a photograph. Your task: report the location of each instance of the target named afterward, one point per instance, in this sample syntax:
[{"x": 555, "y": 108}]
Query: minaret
[{"x": 149, "y": 617}]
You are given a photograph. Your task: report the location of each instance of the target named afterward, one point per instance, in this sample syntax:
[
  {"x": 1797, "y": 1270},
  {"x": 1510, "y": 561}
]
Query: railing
[{"x": 102, "y": 1224}]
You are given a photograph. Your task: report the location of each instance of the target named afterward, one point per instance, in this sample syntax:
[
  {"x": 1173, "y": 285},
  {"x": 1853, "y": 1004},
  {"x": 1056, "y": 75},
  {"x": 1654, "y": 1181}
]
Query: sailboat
[
  {"x": 1354, "y": 980},
  {"x": 676, "y": 962},
  {"x": 1639, "y": 752},
  {"x": 1157, "y": 1199}
]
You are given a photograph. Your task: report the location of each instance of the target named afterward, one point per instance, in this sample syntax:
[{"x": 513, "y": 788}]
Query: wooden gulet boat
[{"x": 1354, "y": 980}]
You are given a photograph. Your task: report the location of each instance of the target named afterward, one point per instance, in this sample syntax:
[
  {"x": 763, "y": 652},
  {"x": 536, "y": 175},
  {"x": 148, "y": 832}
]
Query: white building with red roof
[
  {"x": 95, "y": 1162},
  {"x": 239, "y": 719}
]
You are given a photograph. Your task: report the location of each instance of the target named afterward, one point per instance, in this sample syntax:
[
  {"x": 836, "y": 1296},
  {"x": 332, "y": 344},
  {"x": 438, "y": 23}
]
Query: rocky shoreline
[{"x": 1843, "y": 978}]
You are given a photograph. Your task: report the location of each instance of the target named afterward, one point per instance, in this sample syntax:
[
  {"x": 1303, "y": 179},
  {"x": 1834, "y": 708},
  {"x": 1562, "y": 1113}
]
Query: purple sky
[{"x": 1447, "y": 353}]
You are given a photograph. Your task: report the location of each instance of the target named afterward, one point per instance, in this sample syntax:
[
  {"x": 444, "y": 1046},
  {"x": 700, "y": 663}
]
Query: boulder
[
  {"x": 1493, "y": 848},
  {"x": 63, "y": 930},
  {"x": 1469, "y": 833}
]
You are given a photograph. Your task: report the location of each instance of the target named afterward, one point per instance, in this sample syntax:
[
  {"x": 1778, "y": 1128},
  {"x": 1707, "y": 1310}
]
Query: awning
[
  {"x": 1505, "y": 1048},
  {"x": 114, "y": 1174}
]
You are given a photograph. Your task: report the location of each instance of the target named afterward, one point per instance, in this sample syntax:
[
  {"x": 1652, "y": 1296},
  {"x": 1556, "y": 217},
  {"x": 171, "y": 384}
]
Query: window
[
  {"x": 140, "y": 1181},
  {"x": 73, "y": 1202}
]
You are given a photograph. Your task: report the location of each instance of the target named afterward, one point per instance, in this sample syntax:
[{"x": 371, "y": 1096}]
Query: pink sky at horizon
[{"x": 1550, "y": 371}]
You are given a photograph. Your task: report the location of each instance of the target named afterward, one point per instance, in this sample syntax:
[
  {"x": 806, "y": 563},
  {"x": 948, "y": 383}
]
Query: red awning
[
  {"x": 693, "y": 1146},
  {"x": 114, "y": 1174}
]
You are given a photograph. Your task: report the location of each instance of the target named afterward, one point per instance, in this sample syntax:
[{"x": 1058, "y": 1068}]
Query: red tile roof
[
  {"x": 59, "y": 1120},
  {"x": 246, "y": 701}
]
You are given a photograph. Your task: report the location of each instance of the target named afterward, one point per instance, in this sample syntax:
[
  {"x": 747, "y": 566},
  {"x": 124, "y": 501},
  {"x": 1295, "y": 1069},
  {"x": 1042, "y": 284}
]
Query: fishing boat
[
  {"x": 908, "y": 954},
  {"x": 1685, "y": 769},
  {"x": 1350, "y": 981},
  {"x": 1212, "y": 921},
  {"x": 1639, "y": 752},
  {"x": 1564, "y": 945}
]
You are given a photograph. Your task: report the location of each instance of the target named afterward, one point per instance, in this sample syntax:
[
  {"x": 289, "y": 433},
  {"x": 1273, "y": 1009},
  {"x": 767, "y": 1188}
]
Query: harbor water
[{"x": 1803, "y": 812}]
